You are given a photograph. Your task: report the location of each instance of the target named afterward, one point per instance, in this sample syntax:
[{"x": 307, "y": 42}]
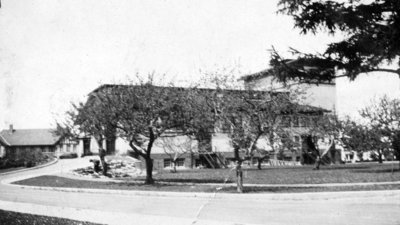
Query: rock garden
[{"x": 118, "y": 167}]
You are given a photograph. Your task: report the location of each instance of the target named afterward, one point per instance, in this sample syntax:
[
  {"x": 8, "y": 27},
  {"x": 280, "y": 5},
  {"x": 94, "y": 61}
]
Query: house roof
[
  {"x": 29, "y": 137},
  {"x": 256, "y": 94}
]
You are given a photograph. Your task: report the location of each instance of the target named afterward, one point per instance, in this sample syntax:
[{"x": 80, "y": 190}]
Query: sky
[{"x": 54, "y": 52}]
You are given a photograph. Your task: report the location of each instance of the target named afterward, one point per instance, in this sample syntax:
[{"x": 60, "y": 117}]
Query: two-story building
[{"x": 216, "y": 150}]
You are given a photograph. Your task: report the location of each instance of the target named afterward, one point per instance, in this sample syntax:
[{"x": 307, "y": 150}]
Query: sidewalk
[{"x": 102, "y": 217}]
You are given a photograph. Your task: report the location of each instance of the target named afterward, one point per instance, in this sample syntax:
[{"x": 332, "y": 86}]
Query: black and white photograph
[{"x": 199, "y": 112}]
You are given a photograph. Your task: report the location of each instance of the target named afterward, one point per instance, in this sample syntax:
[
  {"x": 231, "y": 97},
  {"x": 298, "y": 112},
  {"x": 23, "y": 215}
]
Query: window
[
  {"x": 198, "y": 163},
  {"x": 167, "y": 163},
  {"x": 180, "y": 162},
  {"x": 297, "y": 139},
  {"x": 2, "y": 151}
]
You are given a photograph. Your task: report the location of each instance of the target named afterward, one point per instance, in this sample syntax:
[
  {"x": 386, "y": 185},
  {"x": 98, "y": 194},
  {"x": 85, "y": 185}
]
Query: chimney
[{"x": 11, "y": 128}]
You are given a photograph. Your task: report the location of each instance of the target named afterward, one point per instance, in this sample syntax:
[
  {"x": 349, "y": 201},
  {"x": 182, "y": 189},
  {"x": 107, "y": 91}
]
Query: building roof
[{"x": 29, "y": 137}]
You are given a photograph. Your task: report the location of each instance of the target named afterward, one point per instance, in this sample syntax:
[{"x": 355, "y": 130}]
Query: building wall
[
  {"x": 220, "y": 142},
  {"x": 322, "y": 95},
  {"x": 66, "y": 146}
]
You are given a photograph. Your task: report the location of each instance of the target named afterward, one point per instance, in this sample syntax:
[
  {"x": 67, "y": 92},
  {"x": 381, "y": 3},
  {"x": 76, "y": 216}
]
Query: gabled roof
[{"x": 29, "y": 137}]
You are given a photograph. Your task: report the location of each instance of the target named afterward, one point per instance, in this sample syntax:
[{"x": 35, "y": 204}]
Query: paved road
[{"x": 380, "y": 207}]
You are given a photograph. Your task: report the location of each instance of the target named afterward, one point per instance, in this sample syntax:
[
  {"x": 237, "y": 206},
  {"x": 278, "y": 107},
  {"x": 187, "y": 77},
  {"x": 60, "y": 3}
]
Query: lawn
[
  {"x": 347, "y": 173},
  {"x": 55, "y": 181},
  {"x": 189, "y": 180},
  {"x": 15, "y": 218}
]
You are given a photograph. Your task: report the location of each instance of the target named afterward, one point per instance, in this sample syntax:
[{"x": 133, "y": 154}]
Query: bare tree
[
  {"x": 383, "y": 116},
  {"x": 145, "y": 112},
  {"x": 94, "y": 118},
  {"x": 176, "y": 146},
  {"x": 319, "y": 140}
]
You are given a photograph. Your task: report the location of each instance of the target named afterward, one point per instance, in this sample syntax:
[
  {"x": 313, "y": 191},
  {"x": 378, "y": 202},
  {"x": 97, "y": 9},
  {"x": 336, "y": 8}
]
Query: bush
[
  {"x": 16, "y": 163},
  {"x": 70, "y": 155},
  {"x": 89, "y": 154},
  {"x": 29, "y": 164}
]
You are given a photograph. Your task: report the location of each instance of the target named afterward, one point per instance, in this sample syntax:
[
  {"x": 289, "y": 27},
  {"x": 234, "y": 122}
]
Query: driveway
[{"x": 377, "y": 207}]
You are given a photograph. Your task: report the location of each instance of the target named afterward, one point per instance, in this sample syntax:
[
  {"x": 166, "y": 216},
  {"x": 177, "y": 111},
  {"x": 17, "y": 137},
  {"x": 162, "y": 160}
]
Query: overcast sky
[{"x": 56, "y": 51}]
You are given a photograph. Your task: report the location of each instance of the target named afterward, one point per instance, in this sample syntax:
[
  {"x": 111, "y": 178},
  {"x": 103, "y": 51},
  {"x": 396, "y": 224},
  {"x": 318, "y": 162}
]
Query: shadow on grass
[
  {"x": 188, "y": 180},
  {"x": 345, "y": 167},
  {"x": 311, "y": 167},
  {"x": 377, "y": 171}
]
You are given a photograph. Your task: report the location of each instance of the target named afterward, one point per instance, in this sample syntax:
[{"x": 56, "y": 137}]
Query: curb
[
  {"x": 32, "y": 168},
  {"x": 121, "y": 192},
  {"x": 216, "y": 195}
]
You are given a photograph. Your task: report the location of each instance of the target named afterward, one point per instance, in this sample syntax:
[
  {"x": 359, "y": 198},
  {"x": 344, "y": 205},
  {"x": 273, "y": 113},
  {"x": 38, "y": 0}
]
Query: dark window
[
  {"x": 198, "y": 163},
  {"x": 297, "y": 139},
  {"x": 180, "y": 162},
  {"x": 167, "y": 163}
]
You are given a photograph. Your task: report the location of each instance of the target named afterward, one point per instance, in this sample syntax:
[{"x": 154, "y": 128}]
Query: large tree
[
  {"x": 361, "y": 138},
  {"x": 94, "y": 118},
  {"x": 144, "y": 113},
  {"x": 383, "y": 114},
  {"x": 247, "y": 117},
  {"x": 370, "y": 30}
]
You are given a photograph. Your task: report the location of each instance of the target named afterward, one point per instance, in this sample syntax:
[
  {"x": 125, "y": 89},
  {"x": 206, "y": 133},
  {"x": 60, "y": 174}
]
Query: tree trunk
[
  {"x": 259, "y": 163},
  {"x": 192, "y": 160},
  {"x": 380, "y": 156},
  {"x": 317, "y": 163},
  {"x": 149, "y": 171},
  {"x": 239, "y": 176},
  {"x": 239, "y": 172},
  {"x": 102, "y": 154},
  {"x": 174, "y": 166}
]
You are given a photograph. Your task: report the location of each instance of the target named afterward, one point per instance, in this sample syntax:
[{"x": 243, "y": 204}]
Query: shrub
[
  {"x": 89, "y": 154},
  {"x": 29, "y": 163},
  {"x": 69, "y": 155}
]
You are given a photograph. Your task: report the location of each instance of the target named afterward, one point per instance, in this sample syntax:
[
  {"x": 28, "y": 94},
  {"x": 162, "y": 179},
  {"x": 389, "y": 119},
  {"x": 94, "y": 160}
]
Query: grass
[
  {"x": 347, "y": 173},
  {"x": 55, "y": 181},
  {"x": 15, "y": 218},
  {"x": 189, "y": 180}
]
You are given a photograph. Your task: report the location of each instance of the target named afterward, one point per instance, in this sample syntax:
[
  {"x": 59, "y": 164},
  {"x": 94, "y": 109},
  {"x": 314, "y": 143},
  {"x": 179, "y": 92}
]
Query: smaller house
[{"x": 18, "y": 143}]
